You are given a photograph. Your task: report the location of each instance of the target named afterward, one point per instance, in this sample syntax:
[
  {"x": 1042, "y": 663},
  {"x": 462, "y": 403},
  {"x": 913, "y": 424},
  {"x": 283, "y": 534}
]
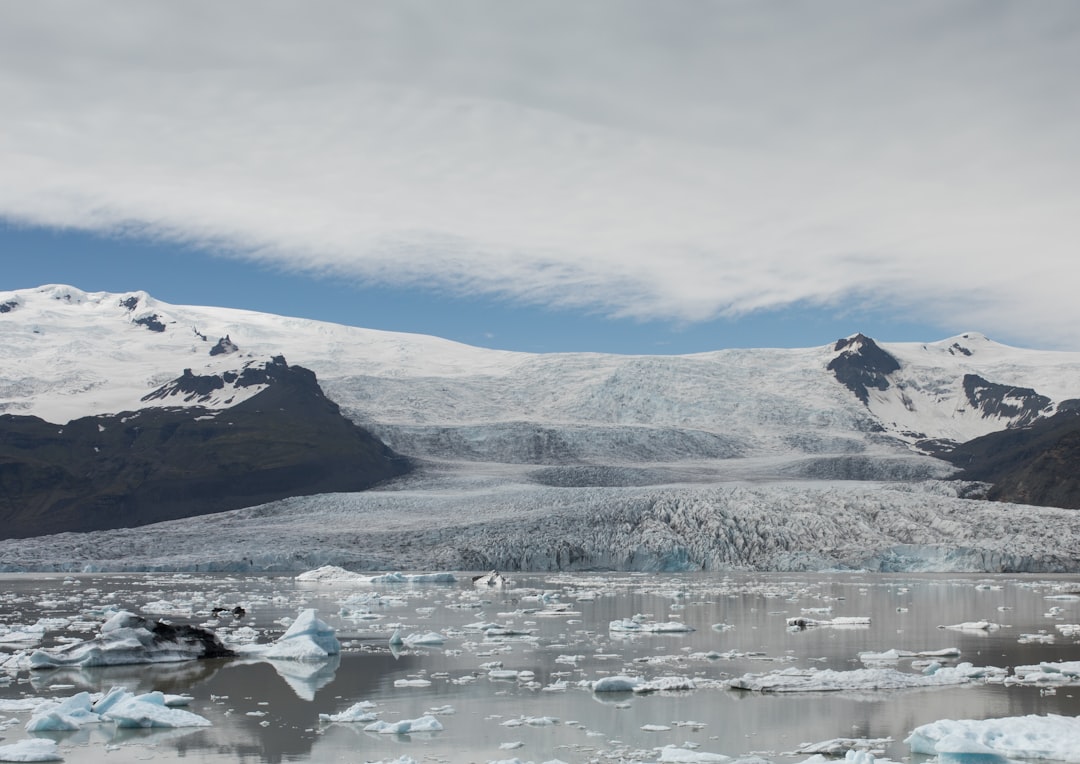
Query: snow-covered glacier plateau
[{"x": 764, "y": 459}]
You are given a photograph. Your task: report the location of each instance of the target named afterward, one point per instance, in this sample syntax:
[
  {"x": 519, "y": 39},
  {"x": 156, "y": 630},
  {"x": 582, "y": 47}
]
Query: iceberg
[
  {"x": 405, "y": 726},
  {"x": 1021, "y": 737},
  {"x": 34, "y": 749},
  {"x": 830, "y": 680},
  {"x": 118, "y": 706},
  {"x": 126, "y": 638},
  {"x": 307, "y": 639},
  {"x": 619, "y": 683},
  {"x": 638, "y": 624},
  {"x": 357, "y": 712}
]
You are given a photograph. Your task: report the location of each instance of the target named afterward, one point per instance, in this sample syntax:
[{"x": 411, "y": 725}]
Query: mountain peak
[{"x": 861, "y": 364}]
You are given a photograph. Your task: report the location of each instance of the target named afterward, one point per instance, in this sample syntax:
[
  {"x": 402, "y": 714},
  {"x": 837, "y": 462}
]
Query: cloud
[{"x": 638, "y": 159}]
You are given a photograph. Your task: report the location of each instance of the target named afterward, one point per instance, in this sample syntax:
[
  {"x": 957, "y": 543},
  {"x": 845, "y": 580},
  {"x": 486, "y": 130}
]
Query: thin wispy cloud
[{"x": 645, "y": 160}]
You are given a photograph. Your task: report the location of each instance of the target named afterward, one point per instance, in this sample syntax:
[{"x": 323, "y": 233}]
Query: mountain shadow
[{"x": 142, "y": 467}]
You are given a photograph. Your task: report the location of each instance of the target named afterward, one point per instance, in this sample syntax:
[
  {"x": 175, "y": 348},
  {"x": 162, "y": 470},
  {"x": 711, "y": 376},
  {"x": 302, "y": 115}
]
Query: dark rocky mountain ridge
[{"x": 136, "y": 468}]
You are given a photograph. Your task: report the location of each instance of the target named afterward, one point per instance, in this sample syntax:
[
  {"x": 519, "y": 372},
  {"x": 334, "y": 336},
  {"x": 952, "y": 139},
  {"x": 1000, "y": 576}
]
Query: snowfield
[{"x": 734, "y": 459}]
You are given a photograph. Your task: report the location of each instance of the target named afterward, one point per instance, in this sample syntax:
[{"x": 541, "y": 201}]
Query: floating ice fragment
[
  {"x": 33, "y": 749},
  {"x": 673, "y": 754},
  {"x": 618, "y": 683},
  {"x": 1031, "y": 737},
  {"x": 357, "y": 712},
  {"x": 637, "y": 624},
  {"x": 149, "y": 710},
  {"x": 307, "y": 639},
  {"x": 127, "y": 638},
  {"x": 405, "y": 726},
  {"x": 973, "y": 626},
  {"x": 829, "y": 680}
]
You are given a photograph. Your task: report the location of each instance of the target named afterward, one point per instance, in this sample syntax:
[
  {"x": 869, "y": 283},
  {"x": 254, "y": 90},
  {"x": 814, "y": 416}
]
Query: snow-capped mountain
[
  {"x": 496, "y": 430},
  {"x": 67, "y": 354}
]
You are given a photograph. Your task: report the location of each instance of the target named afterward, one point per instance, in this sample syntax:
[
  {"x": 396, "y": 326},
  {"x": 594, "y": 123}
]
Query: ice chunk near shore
[
  {"x": 1023, "y": 737},
  {"x": 33, "y": 749},
  {"x": 126, "y": 638}
]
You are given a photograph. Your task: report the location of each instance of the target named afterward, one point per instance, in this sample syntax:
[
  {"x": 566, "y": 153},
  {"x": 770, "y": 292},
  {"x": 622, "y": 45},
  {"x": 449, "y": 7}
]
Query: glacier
[
  {"x": 459, "y": 521},
  {"x": 746, "y": 459}
]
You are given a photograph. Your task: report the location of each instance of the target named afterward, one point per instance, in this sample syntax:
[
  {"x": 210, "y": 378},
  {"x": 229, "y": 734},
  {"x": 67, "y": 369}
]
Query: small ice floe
[
  {"x": 638, "y": 624},
  {"x": 127, "y": 638},
  {"x": 840, "y": 746},
  {"x": 332, "y": 574},
  {"x": 357, "y": 712},
  {"x": 895, "y": 656},
  {"x": 428, "y": 639},
  {"x": 655, "y": 728},
  {"x": 617, "y": 683},
  {"x": 531, "y": 721},
  {"x": 673, "y": 754},
  {"x": 1019, "y": 737},
  {"x": 492, "y": 580},
  {"x": 1060, "y": 673},
  {"x": 425, "y": 723},
  {"x": 1068, "y": 629},
  {"x": 829, "y": 680},
  {"x": 33, "y": 749},
  {"x": 973, "y": 626},
  {"x": 665, "y": 684},
  {"x": 844, "y": 621},
  {"x": 1041, "y": 638},
  {"x": 412, "y": 683}
]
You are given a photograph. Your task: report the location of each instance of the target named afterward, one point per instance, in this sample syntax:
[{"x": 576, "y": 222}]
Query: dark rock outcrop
[
  {"x": 224, "y": 346},
  {"x": 152, "y": 322},
  {"x": 1036, "y": 465},
  {"x": 156, "y": 464},
  {"x": 862, "y": 365},
  {"x": 1022, "y": 405},
  {"x": 7, "y": 307}
]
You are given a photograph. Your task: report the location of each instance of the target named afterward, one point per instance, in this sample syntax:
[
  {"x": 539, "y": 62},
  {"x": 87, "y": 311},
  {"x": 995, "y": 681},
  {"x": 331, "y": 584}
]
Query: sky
[{"x": 614, "y": 176}]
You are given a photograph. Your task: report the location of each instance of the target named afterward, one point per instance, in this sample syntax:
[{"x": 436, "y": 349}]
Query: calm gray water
[{"x": 269, "y": 712}]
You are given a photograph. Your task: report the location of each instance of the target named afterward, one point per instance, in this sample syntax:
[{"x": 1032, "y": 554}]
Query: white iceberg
[
  {"x": 118, "y": 706},
  {"x": 307, "y": 639},
  {"x": 1060, "y": 673},
  {"x": 34, "y": 749},
  {"x": 357, "y": 712},
  {"x": 332, "y": 574},
  {"x": 405, "y": 726},
  {"x": 673, "y": 754},
  {"x": 1021, "y": 737},
  {"x": 829, "y": 680},
  {"x": 618, "y": 683},
  {"x": 639, "y": 624},
  {"x": 149, "y": 710}
]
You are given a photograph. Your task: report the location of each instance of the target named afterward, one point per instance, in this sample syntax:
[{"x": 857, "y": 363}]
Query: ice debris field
[{"x": 560, "y": 667}]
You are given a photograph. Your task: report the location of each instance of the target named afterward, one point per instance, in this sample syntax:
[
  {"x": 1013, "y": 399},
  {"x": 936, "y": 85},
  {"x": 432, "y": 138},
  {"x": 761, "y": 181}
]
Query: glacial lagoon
[{"x": 511, "y": 673}]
